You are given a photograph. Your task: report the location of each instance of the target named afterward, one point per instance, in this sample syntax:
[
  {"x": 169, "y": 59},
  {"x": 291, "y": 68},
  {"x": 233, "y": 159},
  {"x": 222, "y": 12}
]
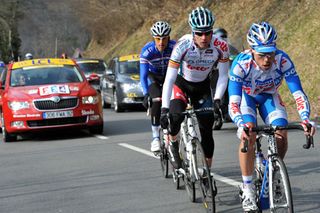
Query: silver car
[{"x": 120, "y": 85}]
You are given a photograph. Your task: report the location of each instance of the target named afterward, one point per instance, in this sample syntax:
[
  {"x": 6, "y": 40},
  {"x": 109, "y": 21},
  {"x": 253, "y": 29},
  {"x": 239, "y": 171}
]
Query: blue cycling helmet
[
  {"x": 201, "y": 19},
  {"x": 2, "y": 64},
  {"x": 262, "y": 37}
]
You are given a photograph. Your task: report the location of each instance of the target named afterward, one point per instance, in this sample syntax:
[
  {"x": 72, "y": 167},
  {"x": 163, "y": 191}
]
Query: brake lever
[{"x": 309, "y": 139}]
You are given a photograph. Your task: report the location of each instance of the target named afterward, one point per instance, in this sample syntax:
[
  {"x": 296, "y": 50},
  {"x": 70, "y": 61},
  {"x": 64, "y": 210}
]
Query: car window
[
  {"x": 44, "y": 75},
  {"x": 93, "y": 67},
  {"x": 129, "y": 67}
]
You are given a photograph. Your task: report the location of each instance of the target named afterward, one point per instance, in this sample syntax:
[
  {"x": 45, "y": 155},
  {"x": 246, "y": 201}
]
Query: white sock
[
  {"x": 247, "y": 181},
  {"x": 155, "y": 131}
]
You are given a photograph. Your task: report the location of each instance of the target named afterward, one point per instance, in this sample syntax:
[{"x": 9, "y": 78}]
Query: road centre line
[{"x": 216, "y": 176}]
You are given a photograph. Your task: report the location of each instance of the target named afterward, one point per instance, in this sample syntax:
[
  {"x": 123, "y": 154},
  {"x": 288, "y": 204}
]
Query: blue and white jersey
[
  {"x": 246, "y": 76},
  {"x": 152, "y": 60}
]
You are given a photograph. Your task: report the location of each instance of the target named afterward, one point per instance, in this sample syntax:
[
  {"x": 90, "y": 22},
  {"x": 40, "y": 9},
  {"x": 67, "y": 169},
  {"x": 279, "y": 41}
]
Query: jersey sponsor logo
[
  {"x": 178, "y": 94},
  {"x": 233, "y": 78},
  {"x": 196, "y": 68},
  {"x": 290, "y": 72},
  {"x": 234, "y": 107},
  {"x": 209, "y": 51},
  {"x": 300, "y": 103},
  {"x": 223, "y": 45},
  {"x": 201, "y": 61}
]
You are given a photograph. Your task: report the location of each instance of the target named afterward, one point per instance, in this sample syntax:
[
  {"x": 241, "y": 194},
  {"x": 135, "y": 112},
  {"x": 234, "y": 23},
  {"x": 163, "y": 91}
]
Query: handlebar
[
  {"x": 270, "y": 130},
  {"x": 191, "y": 110}
]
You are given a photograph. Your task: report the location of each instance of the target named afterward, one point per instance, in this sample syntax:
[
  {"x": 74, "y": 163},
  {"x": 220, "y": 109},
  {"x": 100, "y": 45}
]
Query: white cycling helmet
[
  {"x": 262, "y": 37},
  {"x": 28, "y": 56},
  {"x": 201, "y": 19},
  {"x": 160, "y": 28}
]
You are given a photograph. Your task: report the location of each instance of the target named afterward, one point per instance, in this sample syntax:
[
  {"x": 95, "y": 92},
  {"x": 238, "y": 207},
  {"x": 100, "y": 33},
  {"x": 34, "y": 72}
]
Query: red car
[{"x": 47, "y": 93}]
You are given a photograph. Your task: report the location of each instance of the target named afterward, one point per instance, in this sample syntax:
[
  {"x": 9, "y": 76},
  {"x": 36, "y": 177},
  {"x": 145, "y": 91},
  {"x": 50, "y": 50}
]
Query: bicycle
[
  {"x": 163, "y": 154},
  {"x": 272, "y": 184},
  {"x": 194, "y": 167}
]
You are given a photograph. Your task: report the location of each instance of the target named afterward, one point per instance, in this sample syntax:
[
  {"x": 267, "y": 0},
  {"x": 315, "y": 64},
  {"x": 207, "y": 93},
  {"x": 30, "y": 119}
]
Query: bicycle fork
[{"x": 189, "y": 135}]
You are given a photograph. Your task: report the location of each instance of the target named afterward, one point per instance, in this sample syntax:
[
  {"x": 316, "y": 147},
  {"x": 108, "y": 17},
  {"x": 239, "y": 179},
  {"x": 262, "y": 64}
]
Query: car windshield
[
  {"x": 90, "y": 67},
  {"x": 30, "y": 76},
  {"x": 129, "y": 67}
]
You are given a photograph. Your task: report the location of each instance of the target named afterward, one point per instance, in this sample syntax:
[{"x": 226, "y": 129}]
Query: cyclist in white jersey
[
  {"x": 255, "y": 76},
  {"x": 192, "y": 60}
]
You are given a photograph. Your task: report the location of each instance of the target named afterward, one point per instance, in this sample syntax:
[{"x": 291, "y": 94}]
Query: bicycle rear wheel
[
  {"x": 164, "y": 156},
  {"x": 207, "y": 185},
  {"x": 279, "y": 188}
]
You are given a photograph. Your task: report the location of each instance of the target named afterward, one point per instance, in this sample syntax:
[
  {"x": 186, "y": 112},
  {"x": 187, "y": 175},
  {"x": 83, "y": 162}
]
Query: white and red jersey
[{"x": 195, "y": 65}]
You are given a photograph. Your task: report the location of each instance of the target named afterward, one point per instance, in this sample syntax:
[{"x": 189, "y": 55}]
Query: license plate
[{"x": 60, "y": 114}]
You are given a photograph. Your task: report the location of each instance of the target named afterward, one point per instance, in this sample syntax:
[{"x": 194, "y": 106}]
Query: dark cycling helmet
[
  {"x": 28, "y": 56},
  {"x": 220, "y": 32},
  {"x": 201, "y": 19},
  {"x": 262, "y": 37},
  {"x": 160, "y": 28}
]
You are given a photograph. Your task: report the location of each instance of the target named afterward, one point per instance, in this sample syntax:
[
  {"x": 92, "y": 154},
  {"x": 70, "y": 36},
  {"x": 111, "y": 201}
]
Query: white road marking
[
  {"x": 102, "y": 137},
  {"x": 226, "y": 180},
  {"x": 216, "y": 176},
  {"x": 137, "y": 149}
]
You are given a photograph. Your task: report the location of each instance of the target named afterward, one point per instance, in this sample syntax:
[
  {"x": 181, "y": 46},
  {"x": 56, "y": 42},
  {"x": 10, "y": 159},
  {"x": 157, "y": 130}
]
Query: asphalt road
[{"x": 75, "y": 172}]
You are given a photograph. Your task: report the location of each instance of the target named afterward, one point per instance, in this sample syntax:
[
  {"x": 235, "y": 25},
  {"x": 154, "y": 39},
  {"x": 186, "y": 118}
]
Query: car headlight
[
  {"x": 90, "y": 99},
  {"x": 129, "y": 86},
  {"x": 17, "y": 105}
]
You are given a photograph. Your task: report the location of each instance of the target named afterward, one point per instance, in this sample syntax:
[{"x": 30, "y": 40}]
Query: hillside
[
  {"x": 107, "y": 28},
  {"x": 297, "y": 24}
]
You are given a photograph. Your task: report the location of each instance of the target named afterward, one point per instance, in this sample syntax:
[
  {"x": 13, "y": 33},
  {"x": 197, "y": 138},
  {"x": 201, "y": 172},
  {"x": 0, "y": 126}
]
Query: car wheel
[
  {"x": 104, "y": 103},
  {"x": 116, "y": 104},
  {"x": 98, "y": 129},
  {"x": 7, "y": 137}
]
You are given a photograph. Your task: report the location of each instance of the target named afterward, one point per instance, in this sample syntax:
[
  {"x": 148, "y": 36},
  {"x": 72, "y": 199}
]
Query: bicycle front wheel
[
  {"x": 206, "y": 183},
  {"x": 279, "y": 188},
  {"x": 164, "y": 156},
  {"x": 189, "y": 182}
]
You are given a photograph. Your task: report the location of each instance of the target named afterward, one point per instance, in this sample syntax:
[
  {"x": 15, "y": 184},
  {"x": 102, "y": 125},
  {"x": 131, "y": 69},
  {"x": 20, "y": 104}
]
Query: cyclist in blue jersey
[
  {"x": 254, "y": 79},
  {"x": 193, "y": 59},
  {"x": 154, "y": 59}
]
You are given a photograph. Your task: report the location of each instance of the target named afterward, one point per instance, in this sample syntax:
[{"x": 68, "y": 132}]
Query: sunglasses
[
  {"x": 203, "y": 33},
  {"x": 160, "y": 38},
  {"x": 263, "y": 55}
]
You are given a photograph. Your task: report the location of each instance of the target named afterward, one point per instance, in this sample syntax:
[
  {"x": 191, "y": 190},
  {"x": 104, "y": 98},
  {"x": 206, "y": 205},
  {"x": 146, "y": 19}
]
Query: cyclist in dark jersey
[{"x": 154, "y": 59}]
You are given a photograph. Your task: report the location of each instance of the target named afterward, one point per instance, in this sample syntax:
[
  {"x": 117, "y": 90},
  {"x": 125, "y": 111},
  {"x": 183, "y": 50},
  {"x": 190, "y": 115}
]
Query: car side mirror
[{"x": 109, "y": 72}]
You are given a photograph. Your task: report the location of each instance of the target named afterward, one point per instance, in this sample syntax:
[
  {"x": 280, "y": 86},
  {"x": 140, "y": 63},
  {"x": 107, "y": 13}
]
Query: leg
[
  {"x": 282, "y": 142},
  {"x": 246, "y": 160},
  {"x": 207, "y": 142},
  {"x": 155, "y": 92},
  {"x": 273, "y": 112}
]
